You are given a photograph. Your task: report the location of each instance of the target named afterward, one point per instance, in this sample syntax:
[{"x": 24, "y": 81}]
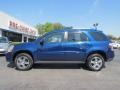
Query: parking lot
[{"x": 61, "y": 77}]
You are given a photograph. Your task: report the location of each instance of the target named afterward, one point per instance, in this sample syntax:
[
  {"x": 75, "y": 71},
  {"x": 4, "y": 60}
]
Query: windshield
[{"x": 3, "y": 40}]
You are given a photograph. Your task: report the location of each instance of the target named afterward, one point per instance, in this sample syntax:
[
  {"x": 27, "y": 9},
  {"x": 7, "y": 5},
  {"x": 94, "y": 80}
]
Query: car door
[
  {"x": 52, "y": 50},
  {"x": 76, "y": 46}
]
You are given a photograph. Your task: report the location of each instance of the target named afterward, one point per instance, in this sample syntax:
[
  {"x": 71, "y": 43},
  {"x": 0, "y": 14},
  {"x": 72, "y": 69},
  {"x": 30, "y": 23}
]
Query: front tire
[
  {"x": 23, "y": 62},
  {"x": 95, "y": 62}
]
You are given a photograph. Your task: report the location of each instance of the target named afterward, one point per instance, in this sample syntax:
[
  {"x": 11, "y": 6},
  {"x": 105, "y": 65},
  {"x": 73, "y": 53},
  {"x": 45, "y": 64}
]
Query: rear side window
[
  {"x": 99, "y": 36},
  {"x": 76, "y": 37}
]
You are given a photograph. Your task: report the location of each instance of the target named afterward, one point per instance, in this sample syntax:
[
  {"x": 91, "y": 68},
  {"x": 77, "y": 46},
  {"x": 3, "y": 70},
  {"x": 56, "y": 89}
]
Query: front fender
[{"x": 26, "y": 48}]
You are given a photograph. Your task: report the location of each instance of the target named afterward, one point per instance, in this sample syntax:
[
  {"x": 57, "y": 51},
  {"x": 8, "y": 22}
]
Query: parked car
[
  {"x": 116, "y": 45},
  {"x": 4, "y": 44},
  {"x": 87, "y": 46}
]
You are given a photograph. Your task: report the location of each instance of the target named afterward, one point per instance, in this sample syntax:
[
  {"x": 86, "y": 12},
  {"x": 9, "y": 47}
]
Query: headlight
[{"x": 10, "y": 48}]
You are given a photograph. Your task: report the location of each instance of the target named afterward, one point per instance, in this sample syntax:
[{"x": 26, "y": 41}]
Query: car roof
[
  {"x": 72, "y": 30},
  {"x": 75, "y": 30}
]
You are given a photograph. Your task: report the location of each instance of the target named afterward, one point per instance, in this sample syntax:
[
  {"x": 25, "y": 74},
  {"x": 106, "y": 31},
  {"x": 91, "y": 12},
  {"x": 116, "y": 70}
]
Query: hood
[
  {"x": 24, "y": 46},
  {"x": 4, "y": 45}
]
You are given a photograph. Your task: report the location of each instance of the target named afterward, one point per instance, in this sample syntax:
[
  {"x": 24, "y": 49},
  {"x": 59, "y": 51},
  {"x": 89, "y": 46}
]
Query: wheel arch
[
  {"x": 102, "y": 53},
  {"x": 23, "y": 51}
]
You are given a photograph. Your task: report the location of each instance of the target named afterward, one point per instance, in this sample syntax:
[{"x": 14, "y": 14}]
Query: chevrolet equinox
[{"x": 88, "y": 46}]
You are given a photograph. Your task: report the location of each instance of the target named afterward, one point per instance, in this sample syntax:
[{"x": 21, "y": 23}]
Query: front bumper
[
  {"x": 9, "y": 57},
  {"x": 2, "y": 51}
]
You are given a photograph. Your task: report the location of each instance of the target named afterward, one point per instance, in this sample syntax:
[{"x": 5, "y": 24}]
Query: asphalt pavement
[{"x": 61, "y": 77}]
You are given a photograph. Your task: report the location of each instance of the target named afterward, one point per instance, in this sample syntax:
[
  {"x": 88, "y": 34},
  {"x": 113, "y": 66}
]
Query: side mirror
[{"x": 42, "y": 42}]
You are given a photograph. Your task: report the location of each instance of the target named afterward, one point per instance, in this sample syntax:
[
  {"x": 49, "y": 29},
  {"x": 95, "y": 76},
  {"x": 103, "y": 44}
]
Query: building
[{"x": 16, "y": 30}]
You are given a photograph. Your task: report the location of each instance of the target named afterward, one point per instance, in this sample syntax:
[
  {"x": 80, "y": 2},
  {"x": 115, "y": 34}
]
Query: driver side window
[{"x": 54, "y": 38}]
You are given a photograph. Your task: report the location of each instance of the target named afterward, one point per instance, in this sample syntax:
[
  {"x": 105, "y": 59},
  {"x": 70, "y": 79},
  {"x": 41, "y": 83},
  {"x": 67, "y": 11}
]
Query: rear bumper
[
  {"x": 110, "y": 59},
  {"x": 110, "y": 55}
]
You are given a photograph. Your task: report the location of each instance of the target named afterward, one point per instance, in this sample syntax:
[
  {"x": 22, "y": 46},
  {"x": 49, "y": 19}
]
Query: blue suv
[{"x": 87, "y": 46}]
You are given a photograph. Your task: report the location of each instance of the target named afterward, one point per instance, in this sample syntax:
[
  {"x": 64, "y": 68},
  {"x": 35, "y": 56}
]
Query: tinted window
[
  {"x": 84, "y": 37},
  {"x": 76, "y": 37},
  {"x": 99, "y": 36},
  {"x": 53, "y": 38}
]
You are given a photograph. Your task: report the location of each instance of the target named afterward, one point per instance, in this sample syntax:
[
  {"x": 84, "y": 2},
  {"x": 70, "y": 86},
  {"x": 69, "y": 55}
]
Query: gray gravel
[{"x": 61, "y": 77}]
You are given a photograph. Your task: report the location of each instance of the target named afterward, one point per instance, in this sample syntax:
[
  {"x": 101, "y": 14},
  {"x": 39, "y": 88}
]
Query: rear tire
[
  {"x": 23, "y": 62},
  {"x": 95, "y": 62}
]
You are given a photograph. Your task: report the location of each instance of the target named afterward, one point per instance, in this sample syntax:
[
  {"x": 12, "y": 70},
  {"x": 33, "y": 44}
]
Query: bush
[{"x": 15, "y": 43}]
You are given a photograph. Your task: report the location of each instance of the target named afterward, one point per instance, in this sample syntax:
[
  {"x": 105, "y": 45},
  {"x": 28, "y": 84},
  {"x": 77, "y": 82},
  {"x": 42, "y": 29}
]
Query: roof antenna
[{"x": 95, "y": 25}]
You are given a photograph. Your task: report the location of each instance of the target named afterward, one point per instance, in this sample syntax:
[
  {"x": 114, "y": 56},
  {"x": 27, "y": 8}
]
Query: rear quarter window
[
  {"x": 99, "y": 36},
  {"x": 76, "y": 37}
]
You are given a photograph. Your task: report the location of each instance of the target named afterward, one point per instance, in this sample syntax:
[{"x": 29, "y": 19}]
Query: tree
[
  {"x": 40, "y": 29},
  {"x": 118, "y": 38},
  {"x": 111, "y": 37},
  {"x": 57, "y": 26},
  {"x": 47, "y": 27},
  {"x": 52, "y": 26}
]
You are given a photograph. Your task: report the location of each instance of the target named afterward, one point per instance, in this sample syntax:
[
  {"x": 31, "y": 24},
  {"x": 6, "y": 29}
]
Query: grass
[{"x": 15, "y": 43}]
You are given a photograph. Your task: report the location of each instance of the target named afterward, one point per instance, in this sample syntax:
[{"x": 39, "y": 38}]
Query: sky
[{"x": 76, "y": 13}]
